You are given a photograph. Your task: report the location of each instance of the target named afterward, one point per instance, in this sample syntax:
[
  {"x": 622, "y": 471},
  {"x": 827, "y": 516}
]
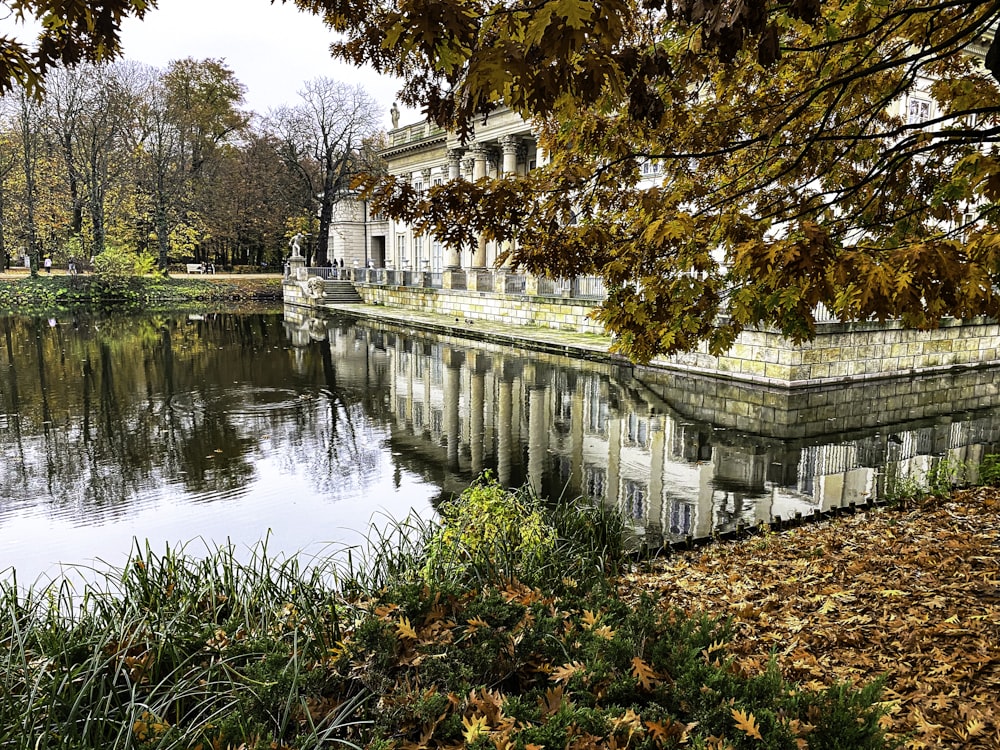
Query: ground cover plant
[
  {"x": 50, "y": 293},
  {"x": 494, "y": 629}
]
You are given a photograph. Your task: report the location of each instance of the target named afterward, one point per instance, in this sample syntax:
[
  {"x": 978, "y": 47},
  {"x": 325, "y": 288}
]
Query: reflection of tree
[{"x": 108, "y": 409}]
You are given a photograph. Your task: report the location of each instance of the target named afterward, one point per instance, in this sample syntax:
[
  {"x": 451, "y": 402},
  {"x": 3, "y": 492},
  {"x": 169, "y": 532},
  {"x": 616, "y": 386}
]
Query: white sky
[{"x": 272, "y": 49}]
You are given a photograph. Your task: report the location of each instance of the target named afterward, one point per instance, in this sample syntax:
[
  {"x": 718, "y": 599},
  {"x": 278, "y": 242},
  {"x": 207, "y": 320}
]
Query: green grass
[{"x": 501, "y": 628}]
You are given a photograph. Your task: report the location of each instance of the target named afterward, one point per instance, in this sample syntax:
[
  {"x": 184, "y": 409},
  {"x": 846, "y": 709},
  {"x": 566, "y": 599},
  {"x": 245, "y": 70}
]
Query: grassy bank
[
  {"x": 506, "y": 626},
  {"x": 47, "y": 293}
]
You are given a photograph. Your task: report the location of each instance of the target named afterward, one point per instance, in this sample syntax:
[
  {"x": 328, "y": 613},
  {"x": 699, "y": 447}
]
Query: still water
[{"x": 208, "y": 428}]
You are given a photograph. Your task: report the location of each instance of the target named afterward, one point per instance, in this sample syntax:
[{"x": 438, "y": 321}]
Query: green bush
[
  {"x": 490, "y": 534},
  {"x": 989, "y": 470},
  {"x": 118, "y": 271}
]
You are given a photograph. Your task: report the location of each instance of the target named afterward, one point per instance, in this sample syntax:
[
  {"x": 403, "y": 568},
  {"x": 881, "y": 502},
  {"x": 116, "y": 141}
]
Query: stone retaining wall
[
  {"x": 851, "y": 351},
  {"x": 841, "y": 352},
  {"x": 511, "y": 309}
]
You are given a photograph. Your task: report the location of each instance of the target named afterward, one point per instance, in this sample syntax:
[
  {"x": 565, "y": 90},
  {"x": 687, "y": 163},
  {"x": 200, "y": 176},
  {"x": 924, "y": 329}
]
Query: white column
[{"x": 479, "y": 154}]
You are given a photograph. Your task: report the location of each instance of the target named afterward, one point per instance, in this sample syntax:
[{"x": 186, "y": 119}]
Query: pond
[{"x": 203, "y": 429}]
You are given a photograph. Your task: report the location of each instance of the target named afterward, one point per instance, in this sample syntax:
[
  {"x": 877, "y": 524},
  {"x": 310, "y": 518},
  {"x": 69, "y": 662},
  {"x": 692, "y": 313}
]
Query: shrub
[
  {"x": 117, "y": 271},
  {"x": 490, "y": 534}
]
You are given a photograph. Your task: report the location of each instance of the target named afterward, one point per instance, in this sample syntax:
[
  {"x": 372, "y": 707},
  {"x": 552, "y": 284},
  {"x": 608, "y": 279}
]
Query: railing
[
  {"x": 515, "y": 283},
  {"x": 484, "y": 281},
  {"x": 548, "y": 287},
  {"x": 589, "y": 287},
  {"x": 582, "y": 287},
  {"x": 323, "y": 272}
]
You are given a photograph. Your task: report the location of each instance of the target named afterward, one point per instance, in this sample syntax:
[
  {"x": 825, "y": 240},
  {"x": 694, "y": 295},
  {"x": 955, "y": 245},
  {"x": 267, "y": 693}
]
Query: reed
[{"x": 499, "y": 626}]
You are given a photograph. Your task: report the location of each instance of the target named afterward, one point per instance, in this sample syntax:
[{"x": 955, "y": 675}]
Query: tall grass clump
[{"x": 498, "y": 626}]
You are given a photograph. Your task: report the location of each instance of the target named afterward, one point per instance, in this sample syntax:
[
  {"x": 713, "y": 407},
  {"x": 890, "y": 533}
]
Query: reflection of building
[{"x": 574, "y": 428}]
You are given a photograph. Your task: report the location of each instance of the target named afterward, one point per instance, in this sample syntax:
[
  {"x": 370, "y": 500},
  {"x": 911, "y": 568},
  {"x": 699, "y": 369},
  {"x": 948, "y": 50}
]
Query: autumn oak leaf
[
  {"x": 746, "y": 723},
  {"x": 404, "y": 629},
  {"x": 644, "y": 673}
]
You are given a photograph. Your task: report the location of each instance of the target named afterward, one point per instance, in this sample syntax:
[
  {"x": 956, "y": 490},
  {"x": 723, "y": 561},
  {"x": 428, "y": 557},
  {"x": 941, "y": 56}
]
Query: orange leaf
[
  {"x": 746, "y": 723},
  {"x": 643, "y": 673},
  {"x": 404, "y": 629},
  {"x": 563, "y": 673}
]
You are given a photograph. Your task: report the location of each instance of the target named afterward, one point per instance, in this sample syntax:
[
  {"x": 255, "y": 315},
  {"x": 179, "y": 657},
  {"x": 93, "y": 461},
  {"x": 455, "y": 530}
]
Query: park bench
[{"x": 194, "y": 268}]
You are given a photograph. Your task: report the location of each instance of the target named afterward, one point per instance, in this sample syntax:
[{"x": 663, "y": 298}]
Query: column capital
[{"x": 510, "y": 144}]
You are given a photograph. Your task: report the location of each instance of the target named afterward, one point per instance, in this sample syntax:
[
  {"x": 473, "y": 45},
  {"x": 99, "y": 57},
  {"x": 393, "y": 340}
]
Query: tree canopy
[
  {"x": 71, "y": 33},
  {"x": 808, "y": 154},
  {"x": 837, "y": 153}
]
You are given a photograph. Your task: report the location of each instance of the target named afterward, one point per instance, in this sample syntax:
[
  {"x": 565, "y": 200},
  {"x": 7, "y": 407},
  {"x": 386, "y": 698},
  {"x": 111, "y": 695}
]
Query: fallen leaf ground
[{"x": 910, "y": 594}]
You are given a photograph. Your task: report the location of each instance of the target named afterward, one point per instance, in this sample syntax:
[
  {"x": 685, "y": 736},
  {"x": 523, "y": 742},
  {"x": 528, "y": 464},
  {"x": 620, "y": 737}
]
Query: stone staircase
[{"x": 340, "y": 293}]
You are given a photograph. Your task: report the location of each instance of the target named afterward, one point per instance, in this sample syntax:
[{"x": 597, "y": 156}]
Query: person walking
[{"x": 48, "y": 264}]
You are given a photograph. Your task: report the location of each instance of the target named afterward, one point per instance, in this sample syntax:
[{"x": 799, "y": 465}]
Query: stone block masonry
[
  {"x": 511, "y": 309},
  {"x": 840, "y": 352},
  {"x": 849, "y": 352}
]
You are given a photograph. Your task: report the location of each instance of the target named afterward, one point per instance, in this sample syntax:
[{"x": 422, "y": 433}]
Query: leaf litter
[{"x": 911, "y": 594}]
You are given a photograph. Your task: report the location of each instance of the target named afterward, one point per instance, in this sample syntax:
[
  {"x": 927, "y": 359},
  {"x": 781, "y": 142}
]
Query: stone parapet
[
  {"x": 471, "y": 306},
  {"x": 850, "y": 351}
]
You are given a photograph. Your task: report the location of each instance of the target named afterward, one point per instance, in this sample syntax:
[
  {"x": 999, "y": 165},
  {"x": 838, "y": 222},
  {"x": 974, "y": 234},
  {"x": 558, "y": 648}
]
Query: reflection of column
[
  {"x": 452, "y": 369},
  {"x": 657, "y": 449},
  {"x": 706, "y": 499},
  {"x": 478, "y": 366},
  {"x": 505, "y": 426},
  {"x": 537, "y": 443},
  {"x": 576, "y": 438},
  {"x": 479, "y": 154},
  {"x": 614, "y": 460}
]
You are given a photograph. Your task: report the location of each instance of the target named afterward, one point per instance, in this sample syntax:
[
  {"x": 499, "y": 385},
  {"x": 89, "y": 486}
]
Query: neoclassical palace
[
  {"x": 427, "y": 155},
  {"x": 389, "y": 264}
]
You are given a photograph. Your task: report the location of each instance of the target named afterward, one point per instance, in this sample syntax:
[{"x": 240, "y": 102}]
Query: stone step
[{"x": 338, "y": 291}]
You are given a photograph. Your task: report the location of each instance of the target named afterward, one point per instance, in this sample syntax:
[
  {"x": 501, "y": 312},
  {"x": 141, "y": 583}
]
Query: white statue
[
  {"x": 394, "y": 114},
  {"x": 296, "y": 245}
]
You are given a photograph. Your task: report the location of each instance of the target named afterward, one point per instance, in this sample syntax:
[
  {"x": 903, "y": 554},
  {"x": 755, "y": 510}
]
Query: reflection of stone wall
[
  {"x": 824, "y": 410},
  {"x": 851, "y": 351},
  {"x": 549, "y": 312}
]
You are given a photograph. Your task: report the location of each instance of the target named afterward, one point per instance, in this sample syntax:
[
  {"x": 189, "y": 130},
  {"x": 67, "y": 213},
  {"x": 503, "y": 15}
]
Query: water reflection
[
  {"x": 679, "y": 454},
  {"x": 172, "y": 428}
]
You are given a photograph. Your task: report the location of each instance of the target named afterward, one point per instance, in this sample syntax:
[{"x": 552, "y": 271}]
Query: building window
[
  {"x": 919, "y": 110},
  {"x": 595, "y": 481},
  {"x": 637, "y": 431},
  {"x": 650, "y": 167},
  {"x": 418, "y": 251},
  {"x": 634, "y": 500},
  {"x": 400, "y": 250},
  {"x": 437, "y": 255}
]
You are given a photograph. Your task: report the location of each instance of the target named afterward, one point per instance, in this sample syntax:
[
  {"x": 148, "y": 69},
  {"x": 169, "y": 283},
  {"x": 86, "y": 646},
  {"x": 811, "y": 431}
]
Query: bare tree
[{"x": 322, "y": 139}]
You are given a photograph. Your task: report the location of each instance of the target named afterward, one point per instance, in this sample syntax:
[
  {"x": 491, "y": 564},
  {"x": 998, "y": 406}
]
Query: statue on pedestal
[
  {"x": 394, "y": 114},
  {"x": 296, "y": 244}
]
